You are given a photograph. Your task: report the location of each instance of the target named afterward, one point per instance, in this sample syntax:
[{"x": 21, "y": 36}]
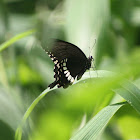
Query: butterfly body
[{"x": 69, "y": 62}]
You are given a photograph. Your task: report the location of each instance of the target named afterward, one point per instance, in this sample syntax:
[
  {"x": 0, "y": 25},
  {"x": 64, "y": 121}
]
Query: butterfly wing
[
  {"x": 69, "y": 62},
  {"x": 62, "y": 49},
  {"x": 76, "y": 59}
]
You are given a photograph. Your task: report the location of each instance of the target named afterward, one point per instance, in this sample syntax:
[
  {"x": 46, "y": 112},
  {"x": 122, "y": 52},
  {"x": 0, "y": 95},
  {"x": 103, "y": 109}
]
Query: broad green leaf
[{"x": 85, "y": 21}]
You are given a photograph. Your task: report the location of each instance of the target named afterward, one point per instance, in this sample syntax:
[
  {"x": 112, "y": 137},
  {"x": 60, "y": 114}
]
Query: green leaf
[
  {"x": 18, "y": 134},
  {"x": 95, "y": 126},
  {"x": 131, "y": 94}
]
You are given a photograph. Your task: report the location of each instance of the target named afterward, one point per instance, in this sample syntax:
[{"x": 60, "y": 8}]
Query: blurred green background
[{"x": 26, "y": 70}]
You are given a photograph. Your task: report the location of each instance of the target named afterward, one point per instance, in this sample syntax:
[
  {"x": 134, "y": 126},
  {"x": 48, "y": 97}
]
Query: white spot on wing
[
  {"x": 72, "y": 80},
  {"x": 64, "y": 68},
  {"x": 69, "y": 78},
  {"x": 58, "y": 65},
  {"x": 67, "y": 74},
  {"x": 56, "y": 61},
  {"x": 66, "y": 71},
  {"x": 64, "y": 64}
]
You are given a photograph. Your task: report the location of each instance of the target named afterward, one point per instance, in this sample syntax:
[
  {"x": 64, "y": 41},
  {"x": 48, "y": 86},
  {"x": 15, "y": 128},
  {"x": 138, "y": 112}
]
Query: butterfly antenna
[
  {"x": 92, "y": 47},
  {"x": 93, "y": 64}
]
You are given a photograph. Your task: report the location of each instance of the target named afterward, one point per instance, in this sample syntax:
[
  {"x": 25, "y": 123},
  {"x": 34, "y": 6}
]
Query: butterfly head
[{"x": 90, "y": 59}]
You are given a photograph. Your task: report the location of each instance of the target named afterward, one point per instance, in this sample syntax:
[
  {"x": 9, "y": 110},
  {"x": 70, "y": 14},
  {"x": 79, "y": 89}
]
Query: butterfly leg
[{"x": 80, "y": 75}]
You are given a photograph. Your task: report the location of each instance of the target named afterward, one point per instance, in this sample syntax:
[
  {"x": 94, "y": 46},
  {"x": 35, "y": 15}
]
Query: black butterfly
[{"x": 70, "y": 62}]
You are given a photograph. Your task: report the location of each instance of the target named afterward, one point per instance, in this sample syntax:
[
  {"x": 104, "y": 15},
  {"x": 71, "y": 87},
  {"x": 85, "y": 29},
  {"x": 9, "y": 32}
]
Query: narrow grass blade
[
  {"x": 18, "y": 134},
  {"x": 14, "y": 39},
  {"x": 93, "y": 129}
]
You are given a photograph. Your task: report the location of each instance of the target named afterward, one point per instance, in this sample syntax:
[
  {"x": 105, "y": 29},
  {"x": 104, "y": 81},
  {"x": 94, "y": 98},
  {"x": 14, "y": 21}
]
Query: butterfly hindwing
[{"x": 62, "y": 74}]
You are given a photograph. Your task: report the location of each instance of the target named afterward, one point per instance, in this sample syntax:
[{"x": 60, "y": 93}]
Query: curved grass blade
[
  {"x": 93, "y": 129},
  {"x": 15, "y": 38},
  {"x": 18, "y": 134}
]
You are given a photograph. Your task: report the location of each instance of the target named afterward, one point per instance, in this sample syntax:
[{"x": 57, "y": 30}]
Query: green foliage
[{"x": 104, "y": 104}]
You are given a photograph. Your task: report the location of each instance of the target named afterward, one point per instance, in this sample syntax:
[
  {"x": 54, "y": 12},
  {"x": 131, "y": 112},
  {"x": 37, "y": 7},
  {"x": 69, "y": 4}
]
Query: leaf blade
[
  {"x": 131, "y": 94},
  {"x": 15, "y": 38},
  {"x": 97, "y": 124}
]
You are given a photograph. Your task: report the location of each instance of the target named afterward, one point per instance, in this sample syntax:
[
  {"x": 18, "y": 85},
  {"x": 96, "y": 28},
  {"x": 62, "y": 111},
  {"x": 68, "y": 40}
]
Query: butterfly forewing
[{"x": 62, "y": 50}]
